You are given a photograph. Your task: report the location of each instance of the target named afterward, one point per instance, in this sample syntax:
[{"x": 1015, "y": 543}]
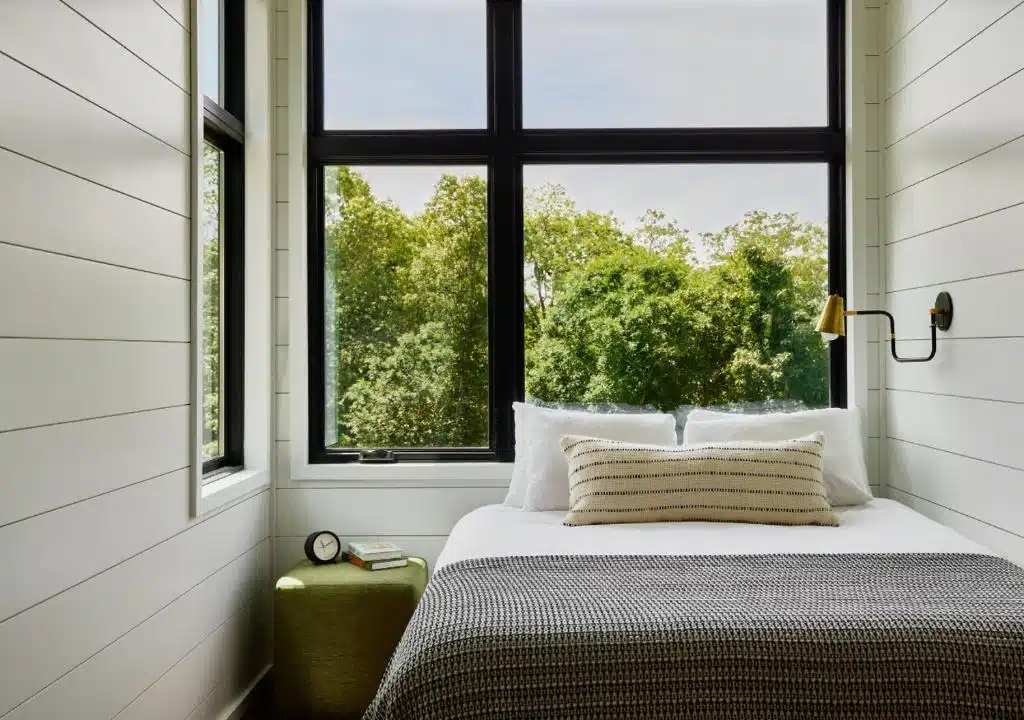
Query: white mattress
[{"x": 881, "y": 526}]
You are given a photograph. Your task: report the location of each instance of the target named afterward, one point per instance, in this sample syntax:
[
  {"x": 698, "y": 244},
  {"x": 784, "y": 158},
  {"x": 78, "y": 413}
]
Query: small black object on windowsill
[
  {"x": 377, "y": 456},
  {"x": 833, "y": 322}
]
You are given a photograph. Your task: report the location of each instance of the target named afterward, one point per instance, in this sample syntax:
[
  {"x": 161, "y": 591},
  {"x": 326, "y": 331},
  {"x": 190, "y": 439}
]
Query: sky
[{"x": 420, "y": 64}]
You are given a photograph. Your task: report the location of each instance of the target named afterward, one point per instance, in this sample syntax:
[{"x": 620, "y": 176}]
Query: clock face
[{"x": 323, "y": 547}]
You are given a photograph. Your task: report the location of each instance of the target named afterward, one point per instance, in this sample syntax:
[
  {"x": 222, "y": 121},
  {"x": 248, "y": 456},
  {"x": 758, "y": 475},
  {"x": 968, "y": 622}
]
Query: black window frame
[
  {"x": 504, "y": 147},
  {"x": 224, "y": 128}
]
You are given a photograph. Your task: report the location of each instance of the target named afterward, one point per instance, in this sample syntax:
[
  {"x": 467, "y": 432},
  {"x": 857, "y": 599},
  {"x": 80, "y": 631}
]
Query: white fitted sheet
[{"x": 880, "y": 526}]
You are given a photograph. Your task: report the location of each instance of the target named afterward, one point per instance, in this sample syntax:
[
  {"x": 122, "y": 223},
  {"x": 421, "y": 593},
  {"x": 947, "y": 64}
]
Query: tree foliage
[{"x": 611, "y": 314}]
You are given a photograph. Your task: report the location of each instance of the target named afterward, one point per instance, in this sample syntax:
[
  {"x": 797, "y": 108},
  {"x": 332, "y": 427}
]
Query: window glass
[
  {"x": 405, "y": 64},
  {"x": 674, "y": 63},
  {"x": 670, "y": 285},
  {"x": 405, "y": 254},
  {"x": 211, "y": 49},
  {"x": 212, "y": 299}
]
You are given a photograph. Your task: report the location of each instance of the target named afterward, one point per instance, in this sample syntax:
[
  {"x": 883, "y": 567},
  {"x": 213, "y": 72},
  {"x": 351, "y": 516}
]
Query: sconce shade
[{"x": 832, "y": 324}]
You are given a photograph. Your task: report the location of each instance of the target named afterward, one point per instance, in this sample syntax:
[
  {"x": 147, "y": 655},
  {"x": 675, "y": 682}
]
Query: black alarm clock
[{"x": 323, "y": 547}]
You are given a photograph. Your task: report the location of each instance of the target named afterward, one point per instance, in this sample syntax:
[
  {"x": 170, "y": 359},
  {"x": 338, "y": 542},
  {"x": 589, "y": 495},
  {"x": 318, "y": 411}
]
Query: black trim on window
[
  {"x": 505, "y": 146},
  {"x": 224, "y": 128}
]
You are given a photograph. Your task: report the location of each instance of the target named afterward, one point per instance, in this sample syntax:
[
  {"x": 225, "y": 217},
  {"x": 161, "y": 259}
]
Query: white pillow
[
  {"x": 846, "y": 476},
  {"x": 540, "y": 475}
]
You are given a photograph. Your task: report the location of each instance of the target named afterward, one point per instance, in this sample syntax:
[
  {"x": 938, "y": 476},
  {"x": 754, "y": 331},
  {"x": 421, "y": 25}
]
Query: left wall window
[{"x": 222, "y": 234}]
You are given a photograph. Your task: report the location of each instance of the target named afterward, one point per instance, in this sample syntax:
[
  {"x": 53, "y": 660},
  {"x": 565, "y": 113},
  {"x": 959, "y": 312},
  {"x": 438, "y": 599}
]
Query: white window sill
[
  {"x": 230, "y": 488},
  {"x": 470, "y": 474}
]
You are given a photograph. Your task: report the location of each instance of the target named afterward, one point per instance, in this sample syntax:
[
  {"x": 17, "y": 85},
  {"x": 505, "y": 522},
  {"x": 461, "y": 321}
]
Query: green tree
[{"x": 442, "y": 293}]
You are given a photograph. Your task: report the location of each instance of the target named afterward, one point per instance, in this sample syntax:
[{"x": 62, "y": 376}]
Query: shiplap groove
[
  {"x": 29, "y": 556},
  {"x": 960, "y": 105},
  {"x": 951, "y": 52},
  {"x": 52, "y": 120},
  {"x": 65, "y": 380},
  {"x": 956, "y": 223},
  {"x": 956, "y": 165},
  {"x": 956, "y": 454},
  {"x": 939, "y": 283},
  {"x": 93, "y": 103},
  {"x": 89, "y": 419},
  {"x": 161, "y": 640},
  {"x": 69, "y": 4},
  {"x": 63, "y": 46},
  {"x": 95, "y": 301},
  {"x": 895, "y": 5},
  {"x": 959, "y": 512},
  {"x": 979, "y": 66},
  {"x": 83, "y": 178},
  {"x": 71, "y": 256},
  {"x": 116, "y": 602},
  {"x": 182, "y": 19},
  {"x": 72, "y": 503},
  {"x": 1004, "y": 543}
]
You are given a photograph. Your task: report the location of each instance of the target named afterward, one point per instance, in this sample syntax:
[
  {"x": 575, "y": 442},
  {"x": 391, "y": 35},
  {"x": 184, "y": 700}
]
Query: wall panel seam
[
  {"x": 953, "y": 109},
  {"x": 95, "y": 104},
  {"x": 90, "y": 419},
  {"x": 992, "y": 149},
  {"x": 951, "y": 452},
  {"x": 134, "y": 627},
  {"x": 958, "y": 222},
  {"x": 167, "y": 539},
  {"x": 958, "y": 512},
  {"x": 92, "y": 182},
  {"x": 125, "y": 47},
  {"x": 93, "y": 497},
  {"x": 952, "y": 52},
  {"x": 915, "y": 26}
]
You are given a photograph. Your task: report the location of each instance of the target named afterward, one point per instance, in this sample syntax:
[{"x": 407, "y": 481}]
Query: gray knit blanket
[{"x": 732, "y": 637}]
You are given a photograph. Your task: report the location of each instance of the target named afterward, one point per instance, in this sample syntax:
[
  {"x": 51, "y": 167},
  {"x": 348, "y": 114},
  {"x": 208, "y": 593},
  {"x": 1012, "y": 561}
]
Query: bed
[{"x": 888, "y": 615}]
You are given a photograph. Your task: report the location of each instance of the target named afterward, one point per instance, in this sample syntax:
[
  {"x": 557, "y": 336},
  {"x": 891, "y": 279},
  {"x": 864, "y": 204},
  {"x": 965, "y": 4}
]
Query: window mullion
[{"x": 505, "y": 221}]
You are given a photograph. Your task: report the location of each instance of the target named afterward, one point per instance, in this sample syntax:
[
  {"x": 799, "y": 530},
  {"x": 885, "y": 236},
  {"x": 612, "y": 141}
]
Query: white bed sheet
[{"x": 880, "y": 526}]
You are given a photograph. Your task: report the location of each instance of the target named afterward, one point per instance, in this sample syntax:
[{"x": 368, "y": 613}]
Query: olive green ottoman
[{"x": 335, "y": 627}]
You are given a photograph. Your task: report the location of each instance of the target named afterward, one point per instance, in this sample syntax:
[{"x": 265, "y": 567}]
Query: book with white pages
[{"x": 375, "y": 551}]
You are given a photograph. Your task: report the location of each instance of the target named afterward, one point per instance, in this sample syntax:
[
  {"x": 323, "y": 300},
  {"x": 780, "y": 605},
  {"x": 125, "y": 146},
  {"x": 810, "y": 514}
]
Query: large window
[
  {"x": 577, "y": 202},
  {"x": 221, "y": 268}
]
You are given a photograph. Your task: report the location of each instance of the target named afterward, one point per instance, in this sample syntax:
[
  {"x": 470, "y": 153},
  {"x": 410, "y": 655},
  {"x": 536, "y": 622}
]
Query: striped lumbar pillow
[{"x": 778, "y": 483}]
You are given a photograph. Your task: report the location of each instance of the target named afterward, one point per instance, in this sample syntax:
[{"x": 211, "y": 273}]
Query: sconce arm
[{"x": 892, "y": 336}]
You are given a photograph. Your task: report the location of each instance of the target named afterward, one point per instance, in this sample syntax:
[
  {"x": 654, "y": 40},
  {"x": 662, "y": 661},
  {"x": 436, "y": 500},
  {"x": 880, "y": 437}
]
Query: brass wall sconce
[{"x": 833, "y": 322}]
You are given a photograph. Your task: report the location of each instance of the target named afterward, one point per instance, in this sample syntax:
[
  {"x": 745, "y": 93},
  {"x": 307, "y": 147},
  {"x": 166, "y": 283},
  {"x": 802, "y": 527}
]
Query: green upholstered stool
[{"x": 335, "y": 629}]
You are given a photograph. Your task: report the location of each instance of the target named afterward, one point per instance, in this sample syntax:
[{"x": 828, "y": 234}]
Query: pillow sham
[
  {"x": 775, "y": 483},
  {"x": 539, "y": 473},
  {"x": 846, "y": 475}
]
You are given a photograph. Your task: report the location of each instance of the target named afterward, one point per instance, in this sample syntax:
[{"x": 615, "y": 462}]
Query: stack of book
[{"x": 375, "y": 555}]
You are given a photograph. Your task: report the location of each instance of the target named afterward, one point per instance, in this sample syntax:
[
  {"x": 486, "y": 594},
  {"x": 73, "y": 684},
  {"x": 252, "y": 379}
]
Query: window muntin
[
  {"x": 405, "y": 298},
  {"x": 511, "y": 152},
  {"x": 405, "y": 64},
  {"x": 674, "y": 63}
]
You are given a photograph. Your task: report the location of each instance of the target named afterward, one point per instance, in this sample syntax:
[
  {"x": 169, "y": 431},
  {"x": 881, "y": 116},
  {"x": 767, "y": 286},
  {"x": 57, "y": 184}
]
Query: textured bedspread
[{"x": 738, "y": 637}]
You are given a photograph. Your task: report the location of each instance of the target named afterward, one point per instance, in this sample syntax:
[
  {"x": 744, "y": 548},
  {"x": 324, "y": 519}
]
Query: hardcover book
[{"x": 375, "y": 550}]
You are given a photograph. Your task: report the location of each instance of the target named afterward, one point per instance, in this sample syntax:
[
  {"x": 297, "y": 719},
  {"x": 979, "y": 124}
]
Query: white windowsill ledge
[
  {"x": 454, "y": 473},
  {"x": 231, "y": 488}
]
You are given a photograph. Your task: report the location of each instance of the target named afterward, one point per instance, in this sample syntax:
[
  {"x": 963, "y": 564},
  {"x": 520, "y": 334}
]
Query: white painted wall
[
  {"x": 419, "y": 513},
  {"x": 114, "y": 600},
  {"x": 954, "y": 213}
]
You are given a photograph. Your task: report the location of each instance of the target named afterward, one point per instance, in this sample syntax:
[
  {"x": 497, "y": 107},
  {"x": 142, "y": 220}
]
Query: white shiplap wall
[
  {"x": 114, "y": 601},
  {"x": 954, "y": 186},
  {"x": 419, "y": 516}
]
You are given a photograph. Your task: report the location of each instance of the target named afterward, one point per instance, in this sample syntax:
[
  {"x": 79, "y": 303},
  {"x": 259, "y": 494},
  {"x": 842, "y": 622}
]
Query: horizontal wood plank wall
[
  {"x": 420, "y": 517},
  {"x": 954, "y": 195},
  {"x": 115, "y": 602}
]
